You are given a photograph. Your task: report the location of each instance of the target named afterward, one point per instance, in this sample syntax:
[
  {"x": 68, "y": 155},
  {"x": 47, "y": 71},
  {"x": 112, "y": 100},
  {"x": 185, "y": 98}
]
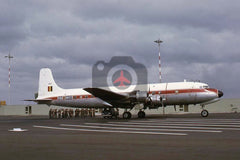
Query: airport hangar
[{"x": 222, "y": 106}]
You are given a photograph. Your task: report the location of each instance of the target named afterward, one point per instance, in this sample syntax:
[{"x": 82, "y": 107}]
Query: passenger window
[{"x": 68, "y": 98}]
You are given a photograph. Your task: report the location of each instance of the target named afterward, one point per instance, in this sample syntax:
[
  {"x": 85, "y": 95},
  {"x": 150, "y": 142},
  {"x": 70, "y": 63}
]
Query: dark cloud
[
  {"x": 201, "y": 40},
  {"x": 11, "y": 26},
  {"x": 214, "y": 15}
]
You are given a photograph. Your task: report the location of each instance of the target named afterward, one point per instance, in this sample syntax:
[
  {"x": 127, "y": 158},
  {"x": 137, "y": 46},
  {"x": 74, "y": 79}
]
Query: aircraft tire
[
  {"x": 127, "y": 115},
  {"x": 141, "y": 114},
  {"x": 204, "y": 113}
]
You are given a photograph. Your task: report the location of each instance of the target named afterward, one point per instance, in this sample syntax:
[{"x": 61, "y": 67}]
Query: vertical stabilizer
[{"x": 47, "y": 86}]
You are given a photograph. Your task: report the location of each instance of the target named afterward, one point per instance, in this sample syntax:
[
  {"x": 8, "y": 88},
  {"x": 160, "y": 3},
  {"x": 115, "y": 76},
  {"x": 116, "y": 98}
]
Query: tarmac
[{"x": 155, "y": 137}]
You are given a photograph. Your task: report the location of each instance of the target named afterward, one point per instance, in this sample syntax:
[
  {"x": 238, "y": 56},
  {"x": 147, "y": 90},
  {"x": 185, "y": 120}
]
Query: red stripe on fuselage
[
  {"x": 212, "y": 90},
  {"x": 177, "y": 91}
]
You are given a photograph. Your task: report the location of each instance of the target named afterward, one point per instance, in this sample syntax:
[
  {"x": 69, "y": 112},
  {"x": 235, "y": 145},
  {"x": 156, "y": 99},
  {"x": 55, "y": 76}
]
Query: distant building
[{"x": 222, "y": 106}]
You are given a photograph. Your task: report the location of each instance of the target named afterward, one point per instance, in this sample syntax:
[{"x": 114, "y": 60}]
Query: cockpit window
[{"x": 205, "y": 86}]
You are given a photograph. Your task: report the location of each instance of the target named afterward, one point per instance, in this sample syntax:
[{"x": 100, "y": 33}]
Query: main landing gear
[
  {"x": 109, "y": 113},
  {"x": 128, "y": 115},
  {"x": 141, "y": 114},
  {"x": 204, "y": 112}
]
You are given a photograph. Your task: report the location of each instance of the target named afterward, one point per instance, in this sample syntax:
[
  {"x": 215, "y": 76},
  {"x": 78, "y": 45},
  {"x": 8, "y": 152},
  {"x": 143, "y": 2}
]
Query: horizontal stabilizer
[{"x": 40, "y": 101}]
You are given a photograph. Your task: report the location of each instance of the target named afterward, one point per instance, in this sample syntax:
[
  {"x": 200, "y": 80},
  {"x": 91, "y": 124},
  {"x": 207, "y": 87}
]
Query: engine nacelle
[
  {"x": 156, "y": 99},
  {"x": 139, "y": 96},
  {"x": 142, "y": 97}
]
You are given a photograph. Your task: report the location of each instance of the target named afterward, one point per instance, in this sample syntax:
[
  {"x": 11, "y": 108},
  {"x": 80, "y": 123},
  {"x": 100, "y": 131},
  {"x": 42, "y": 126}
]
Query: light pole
[
  {"x": 159, "y": 59},
  {"x": 9, "y": 74},
  {"x": 160, "y": 73}
]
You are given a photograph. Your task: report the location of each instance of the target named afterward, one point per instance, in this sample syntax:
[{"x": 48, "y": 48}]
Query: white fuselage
[{"x": 176, "y": 93}]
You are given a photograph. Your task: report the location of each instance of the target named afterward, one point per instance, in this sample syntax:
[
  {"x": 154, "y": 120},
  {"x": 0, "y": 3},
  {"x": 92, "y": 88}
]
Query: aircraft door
[
  {"x": 192, "y": 95},
  {"x": 28, "y": 110}
]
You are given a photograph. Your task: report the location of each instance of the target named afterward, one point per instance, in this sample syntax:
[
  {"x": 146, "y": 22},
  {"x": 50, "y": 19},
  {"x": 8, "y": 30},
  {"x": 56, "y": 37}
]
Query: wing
[{"x": 111, "y": 97}]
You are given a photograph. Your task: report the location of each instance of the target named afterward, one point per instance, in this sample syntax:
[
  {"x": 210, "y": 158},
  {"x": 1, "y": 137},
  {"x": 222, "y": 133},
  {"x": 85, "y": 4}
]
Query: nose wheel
[{"x": 204, "y": 113}]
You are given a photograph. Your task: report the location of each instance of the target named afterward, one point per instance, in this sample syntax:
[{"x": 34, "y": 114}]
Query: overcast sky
[{"x": 201, "y": 41}]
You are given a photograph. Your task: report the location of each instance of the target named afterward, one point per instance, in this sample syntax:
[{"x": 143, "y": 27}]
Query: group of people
[{"x": 70, "y": 113}]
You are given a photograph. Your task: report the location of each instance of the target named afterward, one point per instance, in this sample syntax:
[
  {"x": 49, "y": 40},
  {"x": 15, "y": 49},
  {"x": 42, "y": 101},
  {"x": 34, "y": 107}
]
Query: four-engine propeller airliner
[{"x": 158, "y": 95}]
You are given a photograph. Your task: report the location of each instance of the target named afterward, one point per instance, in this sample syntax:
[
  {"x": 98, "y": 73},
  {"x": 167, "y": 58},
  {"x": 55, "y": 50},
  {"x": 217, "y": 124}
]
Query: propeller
[{"x": 149, "y": 100}]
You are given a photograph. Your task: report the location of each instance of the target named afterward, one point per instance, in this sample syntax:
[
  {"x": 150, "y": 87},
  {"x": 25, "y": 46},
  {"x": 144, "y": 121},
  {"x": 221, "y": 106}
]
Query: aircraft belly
[
  {"x": 81, "y": 103},
  {"x": 205, "y": 96},
  {"x": 183, "y": 98}
]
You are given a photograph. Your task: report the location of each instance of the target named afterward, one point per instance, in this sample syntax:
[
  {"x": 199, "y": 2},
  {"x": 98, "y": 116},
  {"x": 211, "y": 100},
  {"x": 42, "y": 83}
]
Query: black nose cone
[{"x": 220, "y": 94}]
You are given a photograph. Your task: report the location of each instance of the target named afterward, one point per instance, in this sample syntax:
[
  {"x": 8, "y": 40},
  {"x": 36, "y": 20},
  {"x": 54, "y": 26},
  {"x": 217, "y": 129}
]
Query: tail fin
[{"x": 47, "y": 85}]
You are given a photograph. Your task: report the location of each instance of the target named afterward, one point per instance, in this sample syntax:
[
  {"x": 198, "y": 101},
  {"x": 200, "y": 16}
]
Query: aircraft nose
[{"x": 220, "y": 94}]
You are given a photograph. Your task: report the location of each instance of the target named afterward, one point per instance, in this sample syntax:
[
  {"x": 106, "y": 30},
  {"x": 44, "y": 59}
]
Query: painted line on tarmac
[
  {"x": 189, "y": 122},
  {"x": 146, "y": 129},
  {"x": 213, "y": 123},
  {"x": 110, "y": 131},
  {"x": 140, "y": 121},
  {"x": 172, "y": 124},
  {"x": 176, "y": 127},
  {"x": 205, "y": 121},
  {"x": 200, "y": 119},
  {"x": 192, "y": 120},
  {"x": 209, "y": 123}
]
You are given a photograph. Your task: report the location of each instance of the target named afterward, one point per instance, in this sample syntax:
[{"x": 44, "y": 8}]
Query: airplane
[{"x": 158, "y": 95}]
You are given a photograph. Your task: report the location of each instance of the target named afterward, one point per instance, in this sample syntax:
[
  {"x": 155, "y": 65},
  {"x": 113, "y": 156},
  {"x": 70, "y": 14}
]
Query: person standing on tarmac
[
  {"x": 55, "y": 113},
  {"x": 82, "y": 113},
  {"x": 63, "y": 113},
  {"x": 93, "y": 112},
  {"x": 76, "y": 113},
  {"x": 85, "y": 111},
  {"x": 71, "y": 113},
  {"x": 66, "y": 113},
  {"x": 89, "y": 112},
  {"x": 50, "y": 113},
  {"x": 59, "y": 113}
]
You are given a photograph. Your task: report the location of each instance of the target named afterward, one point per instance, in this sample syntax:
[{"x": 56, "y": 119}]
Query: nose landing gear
[{"x": 204, "y": 112}]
